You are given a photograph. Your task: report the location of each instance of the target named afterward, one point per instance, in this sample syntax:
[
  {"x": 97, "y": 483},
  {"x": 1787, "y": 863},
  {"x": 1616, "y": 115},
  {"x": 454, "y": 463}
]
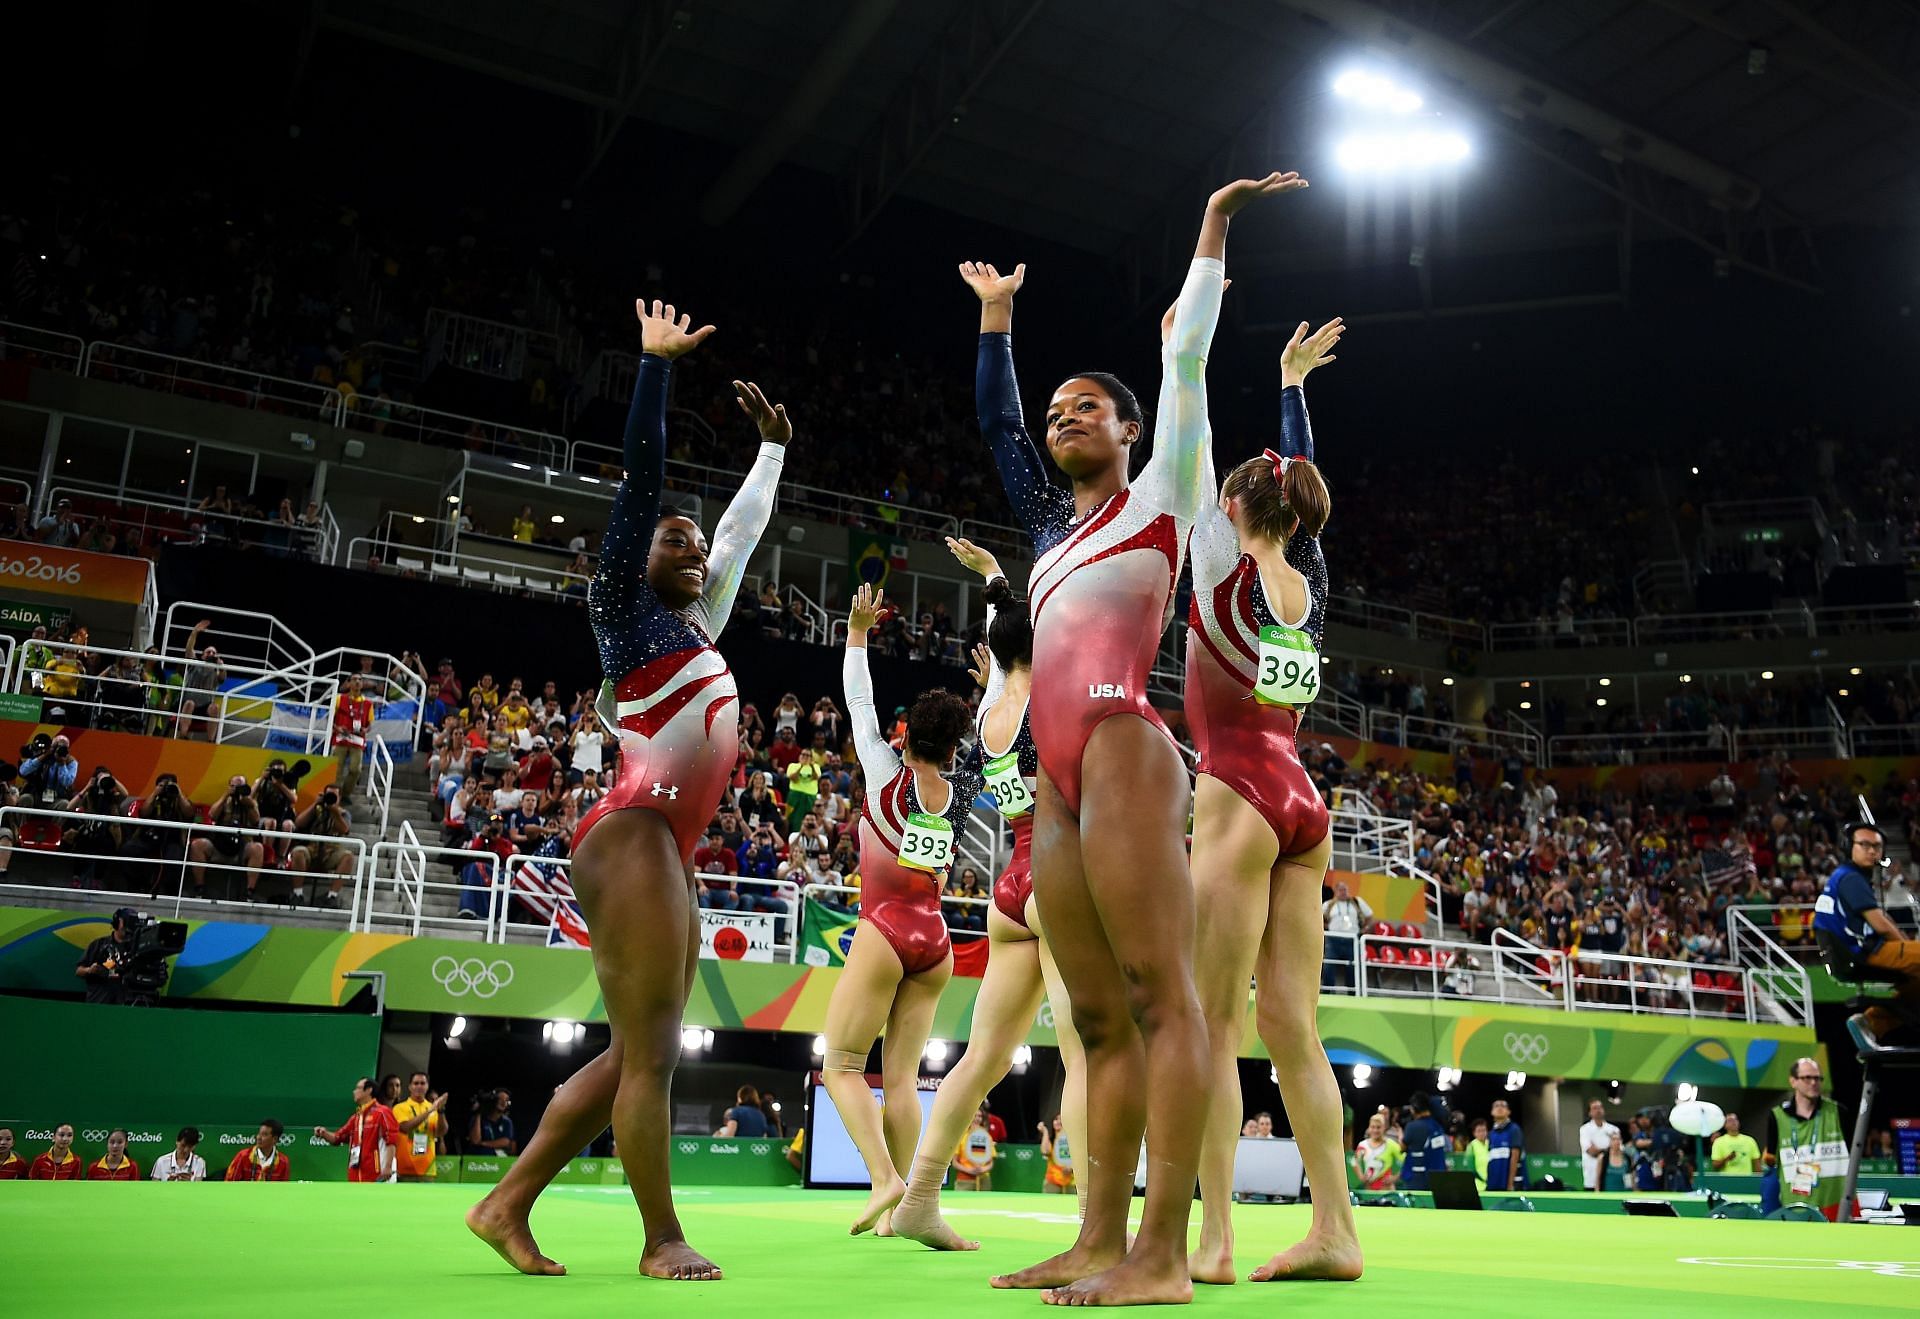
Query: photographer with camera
[
  {"x": 49, "y": 769},
  {"x": 490, "y": 1128},
  {"x": 236, "y": 810},
  {"x": 273, "y": 793},
  {"x": 103, "y": 966},
  {"x": 95, "y": 842},
  {"x": 328, "y": 819},
  {"x": 476, "y": 877},
  {"x": 165, "y": 847}
]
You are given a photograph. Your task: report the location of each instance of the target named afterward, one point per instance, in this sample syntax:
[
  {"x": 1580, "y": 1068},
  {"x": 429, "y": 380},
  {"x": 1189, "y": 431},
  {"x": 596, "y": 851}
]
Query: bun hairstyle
[
  {"x": 936, "y": 722},
  {"x": 1276, "y": 507},
  {"x": 1010, "y": 637}
]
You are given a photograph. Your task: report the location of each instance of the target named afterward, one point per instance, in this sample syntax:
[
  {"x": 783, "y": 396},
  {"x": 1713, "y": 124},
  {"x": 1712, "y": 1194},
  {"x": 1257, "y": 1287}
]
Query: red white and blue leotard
[
  {"x": 1248, "y": 745},
  {"x": 902, "y": 903},
  {"x": 1102, "y": 585},
  {"x": 1014, "y": 885},
  {"x": 674, "y": 705}
]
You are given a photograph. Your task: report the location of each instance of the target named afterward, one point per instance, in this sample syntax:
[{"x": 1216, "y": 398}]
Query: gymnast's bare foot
[
  {"x": 885, "y": 1196},
  {"x": 917, "y": 1221},
  {"x": 1212, "y": 1263},
  {"x": 1314, "y": 1259},
  {"x": 507, "y": 1232},
  {"x": 676, "y": 1261},
  {"x": 1069, "y": 1266},
  {"x": 1132, "y": 1282}
]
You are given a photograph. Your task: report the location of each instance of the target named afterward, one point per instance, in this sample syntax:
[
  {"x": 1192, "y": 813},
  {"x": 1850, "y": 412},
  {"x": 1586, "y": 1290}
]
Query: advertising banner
[
  {"x": 21, "y": 617},
  {"x": 32, "y": 569}
]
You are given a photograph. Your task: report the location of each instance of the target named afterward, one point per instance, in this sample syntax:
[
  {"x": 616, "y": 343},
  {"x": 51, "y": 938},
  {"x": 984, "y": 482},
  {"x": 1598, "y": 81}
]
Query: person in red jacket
[
  {"x": 264, "y": 1160},
  {"x": 13, "y": 1168},
  {"x": 59, "y": 1163},
  {"x": 370, "y": 1135},
  {"x": 352, "y": 723},
  {"x": 114, "y": 1165}
]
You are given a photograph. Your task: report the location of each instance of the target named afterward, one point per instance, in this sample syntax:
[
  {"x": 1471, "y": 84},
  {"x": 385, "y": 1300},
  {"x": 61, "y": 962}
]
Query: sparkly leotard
[
  {"x": 1248, "y": 745},
  {"x": 901, "y": 902},
  {"x": 673, "y": 701},
  {"x": 1015, "y": 883},
  {"x": 1102, "y": 585}
]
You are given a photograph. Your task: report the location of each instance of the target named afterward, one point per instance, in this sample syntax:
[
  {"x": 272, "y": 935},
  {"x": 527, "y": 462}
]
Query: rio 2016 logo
[
  {"x": 1524, "y": 1048},
  {"x": 472, "y": 976},
  {"x": 33, "y": 568}
]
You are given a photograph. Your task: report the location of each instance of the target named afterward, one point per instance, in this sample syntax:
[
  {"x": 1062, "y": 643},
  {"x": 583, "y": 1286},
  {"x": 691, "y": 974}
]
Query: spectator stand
[
  {"x": 48, "y": 349},
  {"x": 465, "y": 568},
  {"x": 211, "y": 382},
  {"x": 413, "y": 887},
  {"x": 184, "y": 522},
  {"x": 384, "y": 417}
]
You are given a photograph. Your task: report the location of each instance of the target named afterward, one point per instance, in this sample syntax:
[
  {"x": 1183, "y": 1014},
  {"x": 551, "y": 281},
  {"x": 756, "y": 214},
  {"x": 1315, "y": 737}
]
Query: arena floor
[{"x": 311, "y": 1249}]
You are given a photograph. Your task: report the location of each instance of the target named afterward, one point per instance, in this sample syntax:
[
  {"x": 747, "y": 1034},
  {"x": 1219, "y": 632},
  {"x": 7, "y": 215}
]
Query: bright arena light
[
  {"x": 562, "y": 1032},
  {"x": 1376, "y": 91},
  {"x": 936, "y": 1051},
  {"x": 1515, "y": 1080},
  {"x": 1362, "y": 1075},
  {"x": 1386, "y": 153},
  {"x": 693, "y": 1039},
  {"x": 1685, "y": 1093},
  {"x": 1022, "y": 1055},
  {"x": 1447, "y": 1078},
  {"x": 819, "y": 1046},
  {"x": 458, "y": 1028}
]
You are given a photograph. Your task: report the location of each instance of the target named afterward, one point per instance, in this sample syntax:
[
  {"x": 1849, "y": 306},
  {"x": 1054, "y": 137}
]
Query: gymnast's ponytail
[
  {"x": 1279, "y": 497},
  {"x": 1010, "y": 637}
]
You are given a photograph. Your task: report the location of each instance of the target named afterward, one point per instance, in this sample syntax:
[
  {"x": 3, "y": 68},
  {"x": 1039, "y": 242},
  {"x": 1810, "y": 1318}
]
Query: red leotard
[
  {"x": 1247, "y": 745},
  {"x": 1014, "y": 885},
  {"x": 1102, "y": 586}
]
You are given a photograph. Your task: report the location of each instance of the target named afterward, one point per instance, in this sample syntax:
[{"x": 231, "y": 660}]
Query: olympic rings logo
[
  {"x": 689, "y": 1147},
  {"x": 759, "y": 1149},
  {"x": 472, "y": 976},
  {"x": 1525, "y": 1048},
  {"x": 94, "y": 1135}
]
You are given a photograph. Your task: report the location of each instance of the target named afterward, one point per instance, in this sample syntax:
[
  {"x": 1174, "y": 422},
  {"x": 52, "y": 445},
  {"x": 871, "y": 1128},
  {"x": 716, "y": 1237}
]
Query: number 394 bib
[
  {"x": 927, "y": 842},
  {"x": 1008, "y": 785},
  {"x": 1289, "y": 668}
]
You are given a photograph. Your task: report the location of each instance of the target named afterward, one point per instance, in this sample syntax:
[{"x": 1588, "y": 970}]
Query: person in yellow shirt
[
  {"x": 515, "y": 715},
  {"x": 523, "y": 524},
  {"x": 1734, "y": 1152},
  {"x": 62, "y": 677},
  {"x": 423, "y": 1124},
  {"x": 973, "y": 1160},
  {"x": 796, "y": 1150},
  {"x": 1480, "y": 1152}
]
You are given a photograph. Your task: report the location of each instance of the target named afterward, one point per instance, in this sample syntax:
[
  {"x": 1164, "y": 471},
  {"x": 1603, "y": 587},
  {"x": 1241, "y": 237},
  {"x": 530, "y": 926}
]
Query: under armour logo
[{"x": 671, "y": 794}]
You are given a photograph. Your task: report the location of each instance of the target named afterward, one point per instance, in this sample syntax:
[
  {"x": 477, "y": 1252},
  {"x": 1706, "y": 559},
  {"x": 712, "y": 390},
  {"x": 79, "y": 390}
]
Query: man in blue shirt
[
  {"x": 1426, "y": 1145},
  {"x": 1506, "y": 1151},
  {"x": 1859, "y": 940}
]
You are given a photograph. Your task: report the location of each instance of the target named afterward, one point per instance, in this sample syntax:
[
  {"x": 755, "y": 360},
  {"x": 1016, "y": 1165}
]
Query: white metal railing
[
  {"x": 1411, "y": 730},
  {"x": 316, "y": 543},
  {"x": 1352, "y": 611},
  {"x": 47, "y": 348},
  {"x": 1636, "y": 748},
  {"x": 1366, "y": 840},
  {"x": 1828, "y": 741},
  {"x": 1885, "y": 739},
  {"x": 142, "y": 704},
  {"x": 396, "y": 887},
  {"x": 1773, "y": 974},
  {"x": 380, "y": 780},
  {"x": 210, "y": 381},
  {"x": 249, "y": 636},
  {"x": 1792, "y": 928},
  {"x": 1730, "y": 625},
  {"x": 1615, "y": 982},
  {"x": 1391, "y": 966},
  {"x": 1335, "y": 712},
  {"x": 86, "y": 837},
  {"x": 472, "y": 343},
  {"x": 460, "y": 568},
  {"x": 409, "y": 421}
]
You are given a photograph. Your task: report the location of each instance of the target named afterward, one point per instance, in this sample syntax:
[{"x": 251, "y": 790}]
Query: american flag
[{"x": 1718, "y": 866}]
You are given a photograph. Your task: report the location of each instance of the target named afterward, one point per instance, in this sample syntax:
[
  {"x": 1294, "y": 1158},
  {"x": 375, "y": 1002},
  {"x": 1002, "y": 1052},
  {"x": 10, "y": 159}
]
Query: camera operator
[
  {"x": 329, "y": 819},
  {"x": 236, "y": 810},
  {"x": 95, "y": 841},
  {"x": 105, "y": 961},
  {"x": 165, "y": 847},
  {"x": 49, "y": 769},
  {"x": 490, "y": 1127}
]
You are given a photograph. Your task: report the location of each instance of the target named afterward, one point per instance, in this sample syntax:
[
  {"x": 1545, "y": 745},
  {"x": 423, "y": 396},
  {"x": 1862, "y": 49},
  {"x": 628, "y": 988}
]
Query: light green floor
[{"x": 281, "y": 1252}]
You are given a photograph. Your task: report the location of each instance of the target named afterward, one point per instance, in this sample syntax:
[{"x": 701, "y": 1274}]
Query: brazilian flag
[
  {"x": 871, "y": 559},
  {"x": 825, "y": 936}
]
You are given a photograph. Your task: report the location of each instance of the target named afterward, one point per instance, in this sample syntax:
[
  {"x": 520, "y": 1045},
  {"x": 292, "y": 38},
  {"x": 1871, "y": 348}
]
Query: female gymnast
[
  {"x": 901, "y": 956},
  {"x": 1260, "y": 840},
  {"x": 657, "y": 601},
  {"x": 1019, "y": 968},
  {"x": 1109, "y": 853}
]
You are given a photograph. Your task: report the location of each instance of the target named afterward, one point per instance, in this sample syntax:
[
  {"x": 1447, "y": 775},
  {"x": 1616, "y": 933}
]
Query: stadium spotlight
[
  {"x": 458, "y": 1028},
  {"x": 1376, "y": 91},
  {"x": 1685, "y": 1093},
  {"x": 1381, "y": 153},
  {"x": 936, "y": 1051},
  {"x": 1686, "y": 677},
  {"x": 453, "y": 499},
  {"x": 1599, "y": 700},
  {"x": 1855, "y": 671},
  {"x": 1362, "y": 1075},
  {"x": 1022, "y": 1057},
  {"x": 1446, "y": 682},
  {"x": 525, "y": 467},
  {"x": 1515, "y": 1080},
  {"x": 1695, "y": 471},
  {"x": 562, "y": 1034},
  {"x": 418, "y": 518},
  {"x": 1606, "y": 682},
  {"x": 1447, "y": 1078},
  {"x": 1526, "y": 705},
  {"x": 1273, "y": 1074},
  {"x": 1526, "y": 684},
  {"x": 693, "y": 1039},
  {"x": 557, "y": 517},
  {"x": 1845, "y": 692},
  {"x": 1766, "y": 675},
  {"x": 819, "y": 1046}
]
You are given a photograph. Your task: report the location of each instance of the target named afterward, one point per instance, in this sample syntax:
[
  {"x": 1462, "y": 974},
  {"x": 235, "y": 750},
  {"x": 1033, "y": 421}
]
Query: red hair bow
[{"x": 1280, "y": 465}]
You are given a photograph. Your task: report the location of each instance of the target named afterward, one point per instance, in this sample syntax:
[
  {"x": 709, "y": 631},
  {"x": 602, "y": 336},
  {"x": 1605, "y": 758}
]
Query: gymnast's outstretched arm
[
  {"x": 740, "y": 527},
  {"x": 1036, "y": 501}
]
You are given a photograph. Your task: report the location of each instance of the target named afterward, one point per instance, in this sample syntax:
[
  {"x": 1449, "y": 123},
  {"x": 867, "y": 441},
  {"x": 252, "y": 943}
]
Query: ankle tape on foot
[{"x": 844, "y": 1060}]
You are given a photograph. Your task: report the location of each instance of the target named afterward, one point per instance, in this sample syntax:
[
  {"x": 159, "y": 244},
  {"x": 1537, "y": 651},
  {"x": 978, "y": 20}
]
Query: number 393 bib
[
  {"x": 1289, "y": 668},
  {"x": 927, "y": 842}
]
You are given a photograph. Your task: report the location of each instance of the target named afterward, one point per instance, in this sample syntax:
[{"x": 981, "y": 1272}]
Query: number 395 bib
[
  {"x": 1289, "y": 668},
  {"x": 927, "y": 842},
  {"x": 1008, "y": 785}
]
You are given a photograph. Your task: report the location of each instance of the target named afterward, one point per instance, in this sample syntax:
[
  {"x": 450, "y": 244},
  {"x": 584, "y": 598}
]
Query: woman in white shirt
[
  {"x": 181, "y": 1164},
  {"x": 506, "y": 797},
  {"x": 587, "y": 741}
]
